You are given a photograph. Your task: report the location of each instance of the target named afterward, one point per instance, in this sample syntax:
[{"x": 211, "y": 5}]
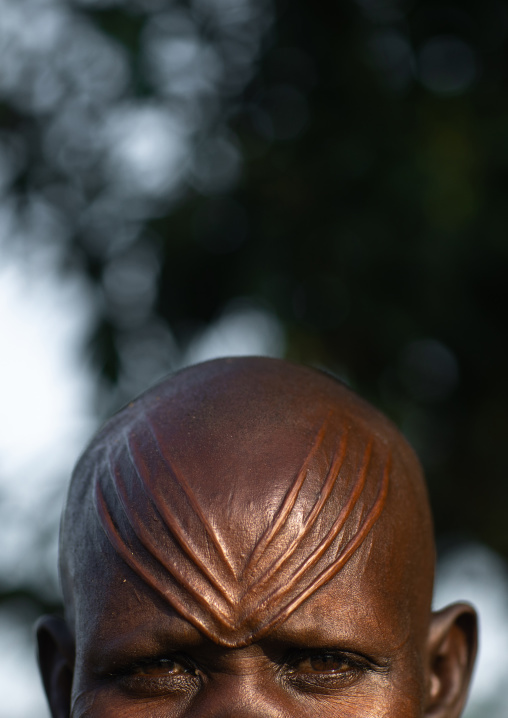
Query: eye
[
  {"x": 163, "y": 667},
  {"x": 160, "y": 676},
  {"x": 323, "y": 663},
  {"x": 325, "y": 671}
]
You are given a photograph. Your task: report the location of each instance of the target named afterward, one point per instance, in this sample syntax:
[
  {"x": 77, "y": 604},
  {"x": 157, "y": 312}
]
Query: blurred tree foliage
[{"x": 348, "y": 175}]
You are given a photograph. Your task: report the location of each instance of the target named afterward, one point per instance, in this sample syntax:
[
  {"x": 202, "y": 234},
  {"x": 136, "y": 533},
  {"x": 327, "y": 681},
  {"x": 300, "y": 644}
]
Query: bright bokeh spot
[
  {"x": 20, "y": 685},
  {"x": 243, "y": 329},
  {"x": 46, "y": 411},
  {"x": 476, "y": 574}
]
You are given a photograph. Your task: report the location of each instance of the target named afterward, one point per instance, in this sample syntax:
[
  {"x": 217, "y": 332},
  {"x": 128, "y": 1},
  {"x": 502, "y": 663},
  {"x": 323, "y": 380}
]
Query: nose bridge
[{"x": 240, "y": 696}]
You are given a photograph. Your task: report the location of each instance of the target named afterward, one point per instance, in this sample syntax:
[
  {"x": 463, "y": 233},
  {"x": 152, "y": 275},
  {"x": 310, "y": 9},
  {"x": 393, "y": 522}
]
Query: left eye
[
  {"x": 322, "y": 663},
  {"x": 325, "y": 671}
]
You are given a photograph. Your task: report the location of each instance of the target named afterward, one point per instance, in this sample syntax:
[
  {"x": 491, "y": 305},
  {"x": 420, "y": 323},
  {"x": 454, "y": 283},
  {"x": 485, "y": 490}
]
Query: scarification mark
[
  {"x": 189, "y": 494},
  {"x": 254, "y": 603},
  {"x": 337, "y": 525},
  {"x": 350, "y": 548},
  {"x": 147, "y": 541},
  {"x": 288, "y": 502},
  {"x": 130, "y": 559},
  {"x": 324, "y": 494}
]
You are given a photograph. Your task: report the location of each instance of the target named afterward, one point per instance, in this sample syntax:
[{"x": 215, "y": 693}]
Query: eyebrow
[{"x": 156, "y": 637}]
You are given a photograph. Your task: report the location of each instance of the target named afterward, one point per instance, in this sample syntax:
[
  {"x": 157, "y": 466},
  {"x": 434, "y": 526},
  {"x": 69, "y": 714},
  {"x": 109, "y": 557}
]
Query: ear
[
  {"x": 56, "y": 663},
  {"x": 451, "y": 652}
]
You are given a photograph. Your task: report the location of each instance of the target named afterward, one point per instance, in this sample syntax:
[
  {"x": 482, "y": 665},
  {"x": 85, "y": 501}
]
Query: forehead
[
  {"x": 356, "y": 610},
  {"x": 237, "y": 536},
  {"x": 237, "y": 498},
  {"x": 250, "y": 402},
  {"x": 239, "y": 439}
]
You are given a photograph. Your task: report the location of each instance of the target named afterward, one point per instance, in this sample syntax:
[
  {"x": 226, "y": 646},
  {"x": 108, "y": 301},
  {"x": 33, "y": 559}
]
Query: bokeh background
[{"x": 183, "y": 180}]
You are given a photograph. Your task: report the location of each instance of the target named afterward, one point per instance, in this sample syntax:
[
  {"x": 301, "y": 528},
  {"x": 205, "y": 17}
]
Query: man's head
[{"x": 250, "y": 539}]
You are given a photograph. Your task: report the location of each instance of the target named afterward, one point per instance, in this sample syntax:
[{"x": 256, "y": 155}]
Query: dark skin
[{"x": 250, "y": 539}]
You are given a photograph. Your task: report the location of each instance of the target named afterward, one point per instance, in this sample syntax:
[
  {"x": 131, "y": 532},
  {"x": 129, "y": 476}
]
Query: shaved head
[
  {"x": 237, "y": 488},
  {"x": 250, "y": 539}
]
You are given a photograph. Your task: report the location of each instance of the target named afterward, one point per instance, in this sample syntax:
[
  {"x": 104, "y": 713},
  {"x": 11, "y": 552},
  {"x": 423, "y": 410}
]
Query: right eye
[
  {"x": 160, "y": 676},
  {"x": 162, "y": 667}
]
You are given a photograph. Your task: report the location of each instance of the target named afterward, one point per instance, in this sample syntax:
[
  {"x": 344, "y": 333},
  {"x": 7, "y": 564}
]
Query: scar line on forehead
[
  {"x": 128, "y": 556},
  {"x": 289, "y": 500},
  {"x": 337, "y": 525},
  {"x": 324, "y": 494},
  {"x": 170, "y": 521},
  {"x": 253, "y": 602},
  {"x": 158, "y": 499},
  {"x": 354, "y": 543}
]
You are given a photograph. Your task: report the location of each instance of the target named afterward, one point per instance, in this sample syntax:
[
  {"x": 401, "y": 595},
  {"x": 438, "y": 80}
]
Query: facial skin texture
[{"x": 250, "y": 539}]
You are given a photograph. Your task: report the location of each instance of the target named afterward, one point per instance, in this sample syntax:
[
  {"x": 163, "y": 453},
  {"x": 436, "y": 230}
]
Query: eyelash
[
  {"x": 134, "y": 680},
  {"x": 355, "y": 667}
]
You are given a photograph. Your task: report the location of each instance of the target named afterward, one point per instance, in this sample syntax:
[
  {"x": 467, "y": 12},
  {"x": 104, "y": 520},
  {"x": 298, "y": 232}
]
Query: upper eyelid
[
  {"x": 352, "y": 657},
  {"x": 339, "y": 655},
  {"x": 130, "y": 667}
]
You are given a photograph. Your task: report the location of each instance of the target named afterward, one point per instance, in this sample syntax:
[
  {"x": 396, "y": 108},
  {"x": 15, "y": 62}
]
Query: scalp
[{"x": 237, "y": 488}]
